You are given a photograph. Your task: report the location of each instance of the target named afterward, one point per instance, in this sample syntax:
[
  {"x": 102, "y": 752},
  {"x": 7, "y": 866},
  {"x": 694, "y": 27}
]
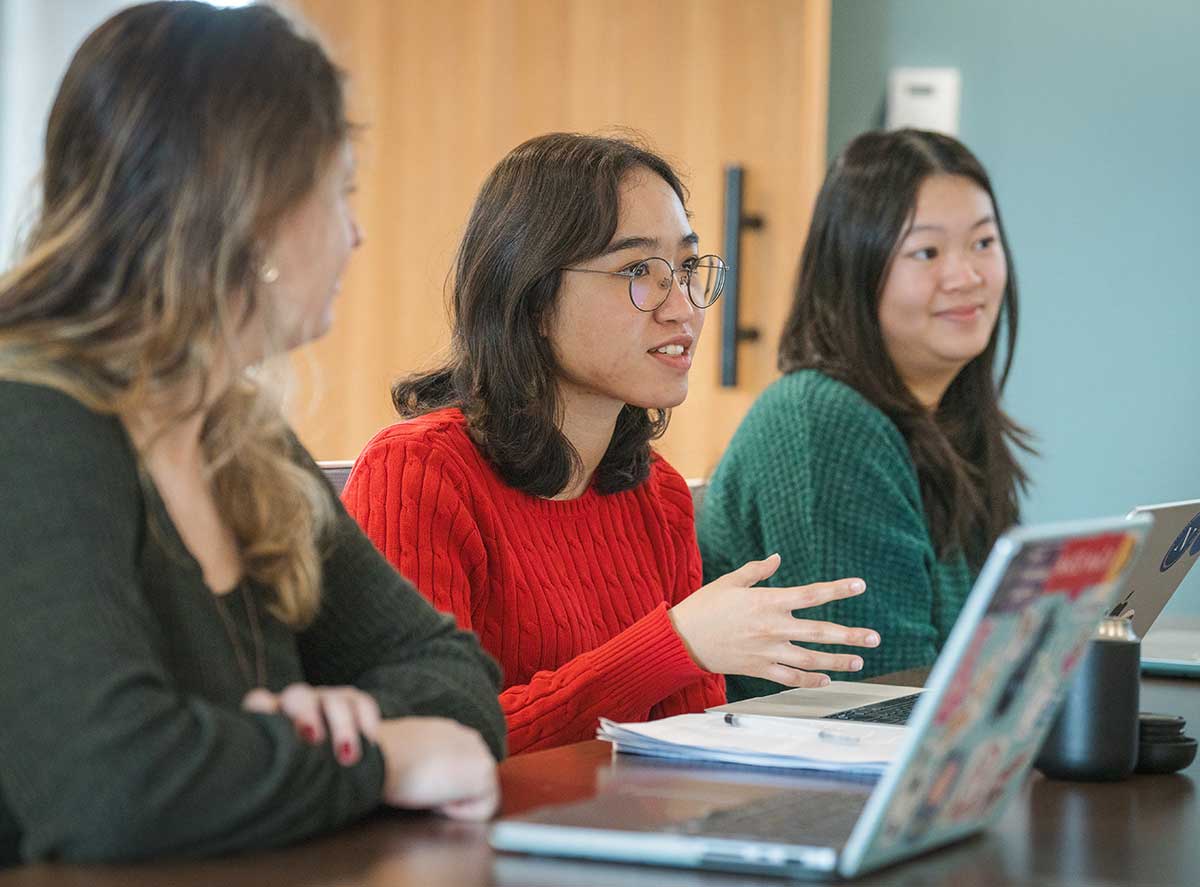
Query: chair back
[
  {"x": 698, "y": 487},
  {"x": 336, "y": 471}
]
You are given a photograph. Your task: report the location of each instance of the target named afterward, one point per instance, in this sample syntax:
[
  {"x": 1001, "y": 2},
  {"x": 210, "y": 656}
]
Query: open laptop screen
[{"x": 994, "y": 692}]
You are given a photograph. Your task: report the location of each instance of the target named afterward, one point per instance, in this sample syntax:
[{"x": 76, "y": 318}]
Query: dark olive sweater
[{"x": 122, "y": 735}]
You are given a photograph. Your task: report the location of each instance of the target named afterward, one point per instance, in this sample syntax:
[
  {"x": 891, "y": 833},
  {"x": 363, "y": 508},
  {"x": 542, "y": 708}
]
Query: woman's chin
[
  {"x": 309, "y": 332},
  {"x": 661, "y": 401}
]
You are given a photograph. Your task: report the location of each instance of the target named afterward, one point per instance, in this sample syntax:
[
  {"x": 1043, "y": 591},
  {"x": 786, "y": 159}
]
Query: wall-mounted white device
[{"x": 924, "y": 98}]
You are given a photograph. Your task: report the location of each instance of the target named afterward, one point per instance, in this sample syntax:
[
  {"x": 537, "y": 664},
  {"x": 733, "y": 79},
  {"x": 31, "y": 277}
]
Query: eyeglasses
[{"x": 702, "y": 278}]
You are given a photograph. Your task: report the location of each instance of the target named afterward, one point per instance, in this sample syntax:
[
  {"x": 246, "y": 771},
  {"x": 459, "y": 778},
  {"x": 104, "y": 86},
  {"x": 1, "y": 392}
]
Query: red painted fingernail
[
  {"x": 345, "y": 753},
  {"x": 309, "y": 734}
]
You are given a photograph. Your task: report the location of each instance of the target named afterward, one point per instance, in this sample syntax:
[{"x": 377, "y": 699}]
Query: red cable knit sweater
[{"x": 570, "y": 596}]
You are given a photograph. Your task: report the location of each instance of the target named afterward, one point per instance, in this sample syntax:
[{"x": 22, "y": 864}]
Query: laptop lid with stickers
[{"x": 995, "y": 690}]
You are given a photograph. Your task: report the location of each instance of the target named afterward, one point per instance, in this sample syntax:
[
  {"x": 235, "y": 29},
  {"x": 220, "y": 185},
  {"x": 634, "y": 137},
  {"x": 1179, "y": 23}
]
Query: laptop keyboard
[
  {"x": 890, "y": 711},
  {"x": 819, "y": 819}
]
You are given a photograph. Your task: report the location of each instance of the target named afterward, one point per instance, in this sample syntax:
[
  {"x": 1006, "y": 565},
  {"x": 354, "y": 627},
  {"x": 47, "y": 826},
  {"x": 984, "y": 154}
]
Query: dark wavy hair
[
  {"x": 552, "y": 202},
  {"x": 969, "y": 476}
]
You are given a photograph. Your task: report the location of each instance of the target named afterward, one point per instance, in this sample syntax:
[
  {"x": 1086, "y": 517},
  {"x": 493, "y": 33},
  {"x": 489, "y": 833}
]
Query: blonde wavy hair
[{"x": 180, "y": 138}]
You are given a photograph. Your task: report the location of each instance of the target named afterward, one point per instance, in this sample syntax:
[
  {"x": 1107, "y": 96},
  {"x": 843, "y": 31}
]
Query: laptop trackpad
[{"x": 816, "y": 819}]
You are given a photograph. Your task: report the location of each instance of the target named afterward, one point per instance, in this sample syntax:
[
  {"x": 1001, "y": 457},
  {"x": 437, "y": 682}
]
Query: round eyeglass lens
[
  {"x": 706, "y": 281},
  {"x": 650, "y": 284}
]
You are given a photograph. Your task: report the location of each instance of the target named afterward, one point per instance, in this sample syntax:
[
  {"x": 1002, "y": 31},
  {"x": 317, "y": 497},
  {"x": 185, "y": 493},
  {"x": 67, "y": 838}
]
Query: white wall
[{"x": 37, "y": 39}]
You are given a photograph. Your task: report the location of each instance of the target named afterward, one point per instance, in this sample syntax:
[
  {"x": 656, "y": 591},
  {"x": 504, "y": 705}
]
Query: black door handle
[{"x": 735, "y": 222}]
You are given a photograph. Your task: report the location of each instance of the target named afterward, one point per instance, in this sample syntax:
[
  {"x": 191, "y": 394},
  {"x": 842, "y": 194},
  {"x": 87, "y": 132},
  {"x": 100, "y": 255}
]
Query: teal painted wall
[{"x": 1087, "y": 115}]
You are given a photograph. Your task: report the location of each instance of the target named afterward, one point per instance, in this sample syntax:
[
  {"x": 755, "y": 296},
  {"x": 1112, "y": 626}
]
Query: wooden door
[{"x": 445, "y": 89}]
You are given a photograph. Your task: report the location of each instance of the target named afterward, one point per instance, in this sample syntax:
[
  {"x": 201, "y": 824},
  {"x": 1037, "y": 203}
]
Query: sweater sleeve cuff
[
  {"x": 649, "y": 658},
  {"x": 622, "y": 679}
]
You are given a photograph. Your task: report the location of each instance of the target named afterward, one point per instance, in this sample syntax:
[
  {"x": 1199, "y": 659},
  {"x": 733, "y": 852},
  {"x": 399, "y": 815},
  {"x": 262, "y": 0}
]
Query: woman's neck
[
  {"x": 930, "y": 388},
  {"x": 157, "y": 437},
  {"x": 588, "y": 423},
  {"x": 157, "y": 424},
  {"x": 159, "y": 432},
  {"x": 172, "y": 453}
]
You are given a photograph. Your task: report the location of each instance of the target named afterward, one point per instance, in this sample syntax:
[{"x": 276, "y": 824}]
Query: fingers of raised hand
[
  {"x": 794, "y": 677},
  {"x": 813, "y": 632},
  {"x": 753, "y": 572},
  {"x": 813, "y": 660},
  {"x": 803, "y": 597}
]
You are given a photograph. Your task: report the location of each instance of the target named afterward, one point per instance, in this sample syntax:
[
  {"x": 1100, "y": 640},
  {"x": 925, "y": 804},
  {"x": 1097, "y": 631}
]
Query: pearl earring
[{"x": 268, "y": 273}]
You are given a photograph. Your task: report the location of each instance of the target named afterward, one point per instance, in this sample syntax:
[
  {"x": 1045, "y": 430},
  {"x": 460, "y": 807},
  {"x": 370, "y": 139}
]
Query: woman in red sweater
[{"x": 522, "y": 494}]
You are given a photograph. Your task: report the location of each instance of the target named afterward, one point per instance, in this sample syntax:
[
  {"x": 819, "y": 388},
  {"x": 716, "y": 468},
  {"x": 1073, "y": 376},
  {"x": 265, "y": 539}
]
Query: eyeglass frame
[{"x": 683, "y": 285}]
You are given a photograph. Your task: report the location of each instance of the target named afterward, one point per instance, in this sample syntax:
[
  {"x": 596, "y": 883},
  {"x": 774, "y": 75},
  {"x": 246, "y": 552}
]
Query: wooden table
[{"x": 1143, "y": 831}]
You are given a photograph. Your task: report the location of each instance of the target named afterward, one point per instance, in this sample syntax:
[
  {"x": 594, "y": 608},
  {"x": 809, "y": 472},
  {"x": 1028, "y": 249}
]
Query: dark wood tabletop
[{"x": 1142, "y": 831}]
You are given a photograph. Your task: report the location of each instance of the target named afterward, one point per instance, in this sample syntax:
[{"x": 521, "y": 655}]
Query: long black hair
[
  {"x": 551, "y": 203},
  {"x": 969, "y": 476}
]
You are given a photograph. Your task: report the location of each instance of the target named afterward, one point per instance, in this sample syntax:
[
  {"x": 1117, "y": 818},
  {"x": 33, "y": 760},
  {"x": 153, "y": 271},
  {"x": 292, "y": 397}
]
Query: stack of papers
[{"x": 794, "y": 743}]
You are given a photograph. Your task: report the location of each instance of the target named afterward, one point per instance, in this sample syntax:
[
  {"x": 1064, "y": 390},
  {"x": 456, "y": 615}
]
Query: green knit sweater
[
  {"x": 120, "y": 687},
  {"x": 818, "y": 474}
]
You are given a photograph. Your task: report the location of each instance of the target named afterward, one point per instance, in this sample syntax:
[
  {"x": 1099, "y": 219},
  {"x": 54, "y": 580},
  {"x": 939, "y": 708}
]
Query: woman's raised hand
[{"x": 731, "y": 627}]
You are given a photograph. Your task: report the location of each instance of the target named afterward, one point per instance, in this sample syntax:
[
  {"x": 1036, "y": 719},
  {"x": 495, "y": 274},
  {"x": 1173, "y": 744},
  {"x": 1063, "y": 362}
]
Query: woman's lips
[
  {"x": 964, "y": 314},
  {"x": 681, "y": 361}
]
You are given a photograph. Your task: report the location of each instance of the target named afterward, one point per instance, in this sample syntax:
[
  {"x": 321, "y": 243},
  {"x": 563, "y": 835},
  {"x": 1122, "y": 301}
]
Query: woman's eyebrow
[
  {"x": 988, "y": 219},
  {"x": 637, "y": 242},
  {"x": 648, "y": 243}
]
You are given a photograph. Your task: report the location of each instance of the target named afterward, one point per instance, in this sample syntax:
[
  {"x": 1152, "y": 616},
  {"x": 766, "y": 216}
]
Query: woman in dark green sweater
[
  {"x": 199, "y": 650},
  {"x": 883, "y": 451}
]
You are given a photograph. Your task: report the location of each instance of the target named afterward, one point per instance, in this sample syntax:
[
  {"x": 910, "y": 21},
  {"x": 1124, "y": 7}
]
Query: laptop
[
  {"x": 839, "y": 700},
  {"x": 991, "y": 698},
  {"x": 1170, "y": 552}
]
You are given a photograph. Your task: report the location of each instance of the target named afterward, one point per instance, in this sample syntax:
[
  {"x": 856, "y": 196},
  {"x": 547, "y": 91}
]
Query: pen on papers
[
  {"x": 826, "y": 735},
  {"x": 839, "y": 738},
  {"x": 734, "y": 721}
]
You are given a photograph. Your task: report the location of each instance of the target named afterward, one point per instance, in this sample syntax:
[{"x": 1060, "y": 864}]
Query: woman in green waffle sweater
[
  {"x": 883, "y": 452},
  {"x": 199, "y": 650}
]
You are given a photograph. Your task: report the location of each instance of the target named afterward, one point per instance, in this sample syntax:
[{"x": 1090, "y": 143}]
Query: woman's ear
[{"x": 264, "y": 267}]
